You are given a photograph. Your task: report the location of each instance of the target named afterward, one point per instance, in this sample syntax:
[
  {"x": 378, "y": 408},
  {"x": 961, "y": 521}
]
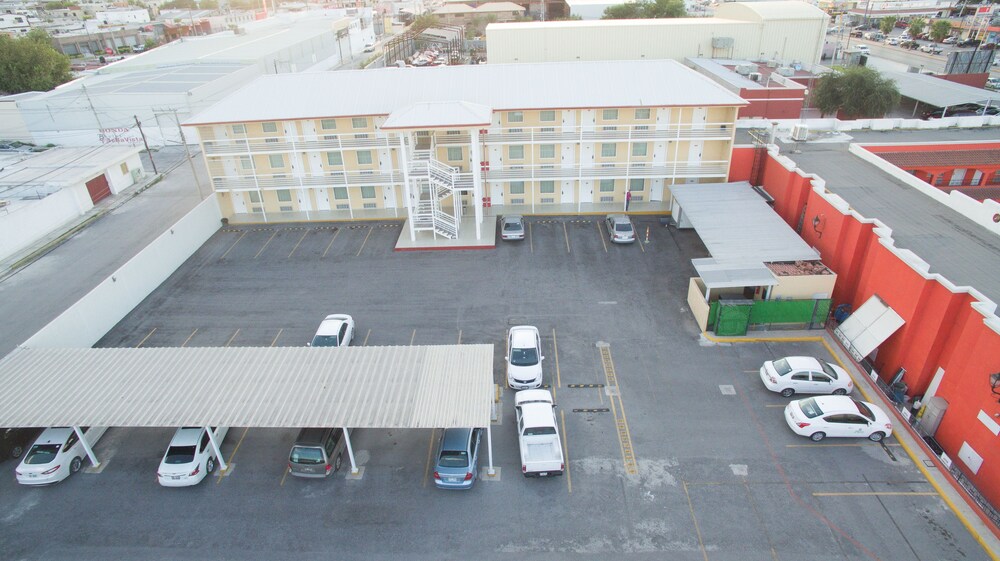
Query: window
[
  {"x": 361, "y": 136},
  {"x": 367, "y": 192},
  {"x": 607, "y": 185},
  {"x": 254, "y": 197},
  {"x": 609, "y": 150},
  {"x": 639, "y": 149},
  {"x": 284, "y": 195},
  {"x": 547, "y": 150},
  {"x": 515, "y": 117},
  {"x": 636, "y": 184},
  {"x": 516, "y": 187},
  {"x": 328, "y": 124},
  {"x": 340, "y": 192},
  {"x": 359, "y": 122},
  {"x": 546, "y": 186},
  {"x": 334, "y": 159},
  {"x": 547, "y": 129},
  {"x": 364, "y": 156},
  {"x": 269, "y": 127},
  {"x": 516, "y": 152},
  {"x": 246, "y": 162},
  {"x": 124, "y": 168},
  {"x": 641, "y": 114},
  {"x": 454, "y": 154},
  {"x": 239, "y": 129},
  {"x": 453, "y": 133},
  {"x": 276, "y": 160},
  {"x": 610, "y": 114},
  {"x": 270, "y": 140},
  {"x": 546, "y": 116},
  {"x": 995, "y": 180}
]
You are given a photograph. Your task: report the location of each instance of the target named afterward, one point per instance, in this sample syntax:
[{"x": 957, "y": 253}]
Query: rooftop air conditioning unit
[
  {"x": 772, "y": 63},
  {"x": 785, "y": 71},
  {"x": 800, "y": 132},
  {"x": 744, "y": 69},
  {"x": 755, "y": 76}
]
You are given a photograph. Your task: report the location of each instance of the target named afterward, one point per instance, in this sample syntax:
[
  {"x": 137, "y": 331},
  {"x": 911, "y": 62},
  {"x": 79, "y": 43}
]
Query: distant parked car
[
  {"x": 837, "y": 416},
  {"x": 993, "y": 83},
  {"x": 14, "y": 441},
  {"x": 932, "y": 49},
  {"x": 56, "y": 454},
  {"x": 967, "y": 43},
  {"x": 950, "y": 40},
  {"x": 457, "y": 460},
  {"x": 902, "y": 24},
  {"x": 891, "y": 41},
  {"x": 337, "y": 330},
  {"x": 189, "y": 457},
  {"x": 863, "y": 49},
  {"x": 369, "y": 48},
  {"x": 512, "y": 227},
  {"x": 620, "y": 228},
  {"x": 805, "y": 374},
  {"x": 962, "y": 110},
  {"x": 524, "y": 361}
]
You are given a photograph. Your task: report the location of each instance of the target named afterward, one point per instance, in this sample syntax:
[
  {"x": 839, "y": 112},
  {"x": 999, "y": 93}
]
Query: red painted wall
[
  {"x": 741, "y": 163},
  {"x": 974, "y": 80},
  {"x": 932, "y": 147},
  {"x": 781, "y": 103}
]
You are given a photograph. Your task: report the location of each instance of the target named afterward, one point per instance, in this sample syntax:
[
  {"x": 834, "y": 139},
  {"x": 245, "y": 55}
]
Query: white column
[
  {"x": 477, "y": 181},
  {"x": 404, "y": 162},
  {"x": 350, "y": 451},
  {"x": 215, "y": 448},
  {"x": 86, "y": 446},
  {"x": 489, "y": 447}
]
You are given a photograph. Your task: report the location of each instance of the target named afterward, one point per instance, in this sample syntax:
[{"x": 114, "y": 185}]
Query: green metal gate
[{"x": 734, "y": 317}]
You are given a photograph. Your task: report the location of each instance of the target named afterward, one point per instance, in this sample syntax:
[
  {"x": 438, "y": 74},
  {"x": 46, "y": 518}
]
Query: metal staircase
[{"x": 433, "y": 182}]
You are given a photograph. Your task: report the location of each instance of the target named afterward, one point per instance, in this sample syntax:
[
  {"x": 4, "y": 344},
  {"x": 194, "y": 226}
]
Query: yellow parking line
[
  {"x": 776, "y": 405},
  {"x": 148, "y": 335},
  {"x": 697, "y": 529},
  {"x": 459, "y": 336},
  {"x": 229, "y": 462},
  {"x": 282, "y": 484},
  {"x": 430, "y": 452},
  {"x": 531, "y": 240},
  {"x": 880, "y": 494},
  {"x": 263, "y": 247},
  {"x": 360, "y": 249},
  {"x": 600, "y": 234},
  {"x": 231, "y": 339},
  {"x": 566, "y": 234},
  {"x": 297, "y": 244},
  {"x": 641, "y": 245},
  {"x": 365, "y": 342},
  {"x": 275, "y": 340},
  {"x": 569, "y": 480},
  {"x": 329, "y": 245},
  {"x": 232, "y": 246},
  {"x": 186, "y": 341},
  {"x": 555, "y": 351}
]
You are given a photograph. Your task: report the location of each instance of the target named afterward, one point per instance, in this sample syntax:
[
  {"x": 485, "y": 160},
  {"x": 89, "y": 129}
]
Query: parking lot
[{"x": 675, "y": 449}]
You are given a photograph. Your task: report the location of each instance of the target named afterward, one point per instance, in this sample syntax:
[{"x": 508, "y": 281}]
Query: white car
[
  {"x": 863, "y": 49},
  {"x": 805, "y": 374},
  {"x": 512, "y": 227},
  {"x": 524, "y": 358},
  {"x": 56, "y": 454},
  {"x": 337, "y": 330},
  {"x": 189, "y": 457},
  {"x": 620, "y": 228},
  {"x": 369, "y": 48},
  {"x": 837, "y": 416}
]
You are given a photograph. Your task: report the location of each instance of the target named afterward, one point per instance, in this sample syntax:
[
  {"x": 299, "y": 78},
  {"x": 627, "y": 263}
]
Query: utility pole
[
  {"x": 144, "y": 143},
  {"x": 100, "y": 127},
  {"x": 194, "y": 172}
]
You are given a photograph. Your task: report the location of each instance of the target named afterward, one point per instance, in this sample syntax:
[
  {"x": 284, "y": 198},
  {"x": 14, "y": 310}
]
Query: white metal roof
[
  {"x": 439, "y": 114},
  {"x": 937, "y": 92},
  {"x": 57, "y": 168},
  {"x": 566, "y": 85},
  {"x": 740, "y": 230},
  {"x": 728, "y": 275},
  {"x": 285, "y": 387}
]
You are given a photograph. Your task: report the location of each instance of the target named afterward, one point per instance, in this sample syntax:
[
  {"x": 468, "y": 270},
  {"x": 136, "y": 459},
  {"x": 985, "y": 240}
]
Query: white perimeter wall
[
  {"x": 23, "y": 226},
  {"x": 86, "y": 321}
]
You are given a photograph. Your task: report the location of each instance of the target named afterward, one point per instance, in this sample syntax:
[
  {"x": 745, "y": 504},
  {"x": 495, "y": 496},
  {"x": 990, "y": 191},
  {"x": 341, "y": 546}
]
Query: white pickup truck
[{"x": 541, "y": 449}]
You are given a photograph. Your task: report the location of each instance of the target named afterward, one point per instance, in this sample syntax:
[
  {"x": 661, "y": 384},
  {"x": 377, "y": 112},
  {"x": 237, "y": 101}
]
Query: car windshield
[
  {"x": 41, "y": 454},
  {"x": 539, "y": 431},
  {"x": 864, "y": 410},
  {"x": 810, "y": 408},
  {"x": 179, "y": 455},
  {"x": 306, "y": 455},
  {"x": 782, "y": 367},
  {"x": 453, "y": 459},
  {"x": 325, "y": 341},
  {"x": 829, "y": 370},
  {"x": 625, "y": 227},
  {"x": 511, "y": 226},
  {"x": 524, "y": 357}
]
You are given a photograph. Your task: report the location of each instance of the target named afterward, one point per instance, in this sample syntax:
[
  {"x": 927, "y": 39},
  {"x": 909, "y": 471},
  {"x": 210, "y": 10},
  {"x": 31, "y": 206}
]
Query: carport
[
  {"x": 936, "y": 92},
  {"x": 412, "y": 387}
]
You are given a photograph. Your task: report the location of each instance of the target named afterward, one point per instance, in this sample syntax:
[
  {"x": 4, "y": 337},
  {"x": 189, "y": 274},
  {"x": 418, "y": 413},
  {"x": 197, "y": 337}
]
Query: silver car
[
  {"x": 457, "y": 460},
  {"x": 619, "y": 228},
  {"x": 512, "y": 227}
]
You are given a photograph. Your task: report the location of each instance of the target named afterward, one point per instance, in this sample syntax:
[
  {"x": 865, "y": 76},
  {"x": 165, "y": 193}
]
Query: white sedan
[
  {"x": 805, "y": 374},
  {"x": 56, "y": 454},
  {"x": 524, "y": 357},
  {"x": 189, "y": 457},
  {"x": 337, "y": 330},
  {"x": 837, "y": 416}
]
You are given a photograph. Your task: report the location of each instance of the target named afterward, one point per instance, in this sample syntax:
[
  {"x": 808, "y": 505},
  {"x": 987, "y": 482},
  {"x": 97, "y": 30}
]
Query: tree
[
  {"x": 940, "y": 29},
  {"x": 623, "y": 11},
  {"x": 887, "y": 24},
  {"x": 917, "y": 26},
  {"x": 644, "y": 9},
  {"x": 422, "y": 22},
  {"x": 30, "y": 63},
  {"x": 857, "y": 92}
]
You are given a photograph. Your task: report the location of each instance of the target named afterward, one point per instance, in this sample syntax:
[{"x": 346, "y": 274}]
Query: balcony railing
[
  {"x": 262, "y": 146},
  {"x": 616, "y": 171},
  {"x": 270, "y": 182}
]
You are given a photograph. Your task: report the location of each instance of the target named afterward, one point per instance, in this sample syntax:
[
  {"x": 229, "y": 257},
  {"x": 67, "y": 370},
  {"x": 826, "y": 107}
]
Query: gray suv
[{"x": 317, "y": 452}]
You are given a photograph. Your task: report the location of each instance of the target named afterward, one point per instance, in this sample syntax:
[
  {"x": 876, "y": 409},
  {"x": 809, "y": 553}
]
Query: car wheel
[
  {"x": 817, "y": 436},
  {"x": 840, "y": 391},
  {"x": 16, "y": 451},
  {"x": 210, "y": 466},
  {"x": 876, "y": 436},
  {"x": 337, "y": 462},
  {"x": 787, "y": 392},
  {"x": 75, "y": 465}
]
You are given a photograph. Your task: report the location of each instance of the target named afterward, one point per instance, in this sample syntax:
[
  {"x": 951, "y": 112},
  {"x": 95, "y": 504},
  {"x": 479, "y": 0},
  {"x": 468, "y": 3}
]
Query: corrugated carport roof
[
  {"x": 937, "y": 92},
  {"x": 287, "y": 387}
]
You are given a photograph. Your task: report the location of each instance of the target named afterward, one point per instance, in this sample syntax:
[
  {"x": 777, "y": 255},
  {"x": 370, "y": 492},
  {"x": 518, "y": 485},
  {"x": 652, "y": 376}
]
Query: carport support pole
[
  {"x": 489, "y": 448},
  {"x": 350, "y": 451},
  {"x": 215, "y": 448},
  {"x": 86, "y": 447}
]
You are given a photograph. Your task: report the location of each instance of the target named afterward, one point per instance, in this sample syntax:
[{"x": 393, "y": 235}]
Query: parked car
[
  {"x": 13, "y": 441},
  {"x": 369, "y": 48},
  {"x": 805, "y": 374},
  {"x": 950, "y": 40},
  {"x": 524, "y": 357},
  {"x": 911, "y": 44},
  {"x": 837, "y": 416},
  {"x": 512, "y": 227},
  {"x": 932, "y": 49},
  {"x": 993, "y": 83},
  {"x": 456, "y": 463},
  {"x": 891, "y": 41},
  {"x": 620, "y": 228},
  {"x": 317, "y": 452},
  {"x": 863, "y": 49},
  {"x": 967, "y": 43},
  {"x": 337, "y": 330},
  {"x": 189, "y": 457},
  {"x": 961, "y": 110},
  {"x": 874, "y": 35},
  {"x": 56, "y": 454},
  {"x": 857, "y": 32},
  {"x": 537, "y": 434}
]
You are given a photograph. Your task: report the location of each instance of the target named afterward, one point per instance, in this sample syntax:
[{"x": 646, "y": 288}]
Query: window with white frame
[
  {"x": 246, "y": 163},
  {"x": 340, "y": 192},
  {"x": 610, "y": 114},
  {"x": 516, "y": 187},
  {"x": 516, "y": 152},
  {"x": 239, "y": 129},
  {"x": 609, "y": 150},
  {"x": 515, "y": 117},
  {"x": 364, "y": 157},
  {"x": 639, "y": 149},
  {"x": 367, "y": 192},
  {"x": 636, "y": 184},
  {"x": 547, "y": 116},
  {"x": 269, "y": 127},
  {"x": 546, "y": 150},
  {"x": 359, "y": 122},
  {"x": 454, "y": 154},
  {"x": 254, "y": 197},
  {"x": 607, "y": 185},
  {"x": 334, "y": 159},
  {"x": 328, "y": 124},
  {"x": 547, "y": 186},
  {"x": 642, "y": 114},
  {"x": 276, "y": 160},
  {"x": 284, "y": 195}
]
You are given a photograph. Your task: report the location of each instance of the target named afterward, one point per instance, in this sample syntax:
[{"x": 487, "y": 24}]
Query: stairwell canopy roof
[{"x": 439, "y": 114}]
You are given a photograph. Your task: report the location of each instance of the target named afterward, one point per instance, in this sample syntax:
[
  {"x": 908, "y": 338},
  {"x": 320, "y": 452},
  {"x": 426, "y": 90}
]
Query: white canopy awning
[{"x": 937, "y": 92}]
